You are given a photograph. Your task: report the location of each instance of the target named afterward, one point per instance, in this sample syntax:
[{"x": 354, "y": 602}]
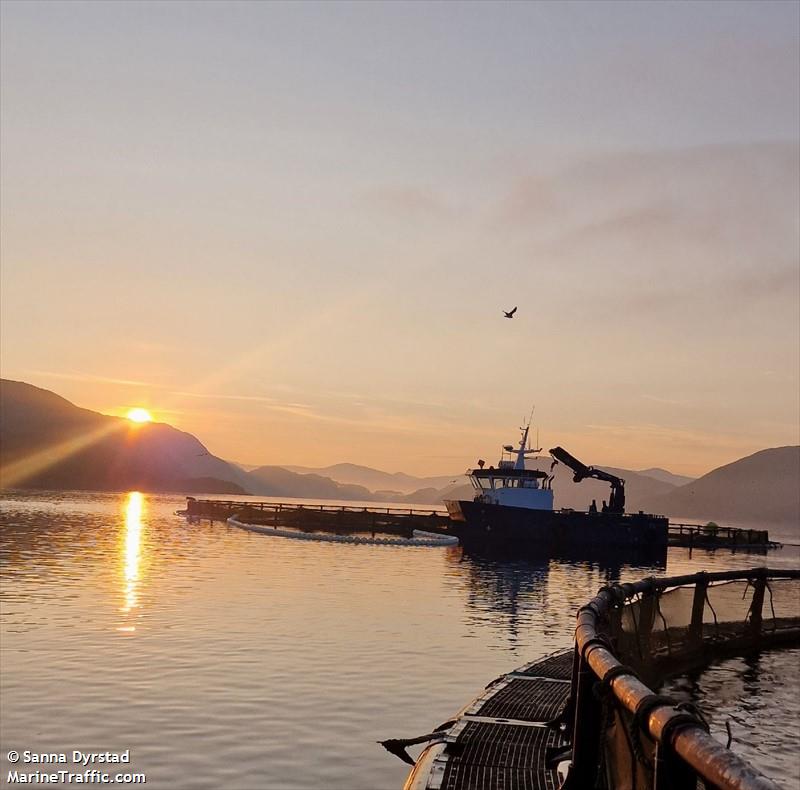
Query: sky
[{"x": 291, "y": 228}]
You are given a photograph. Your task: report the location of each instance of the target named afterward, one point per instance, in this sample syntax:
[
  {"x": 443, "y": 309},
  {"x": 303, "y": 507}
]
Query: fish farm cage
[{"x": 629, "y": 638}]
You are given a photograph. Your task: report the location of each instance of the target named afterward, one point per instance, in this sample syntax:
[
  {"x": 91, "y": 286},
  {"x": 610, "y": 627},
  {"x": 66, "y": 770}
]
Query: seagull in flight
[{"x": 510, "y": 313}]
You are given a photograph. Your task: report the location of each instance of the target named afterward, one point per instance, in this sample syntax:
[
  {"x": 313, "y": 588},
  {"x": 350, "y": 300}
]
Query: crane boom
[{"x": 616, "y": 502}]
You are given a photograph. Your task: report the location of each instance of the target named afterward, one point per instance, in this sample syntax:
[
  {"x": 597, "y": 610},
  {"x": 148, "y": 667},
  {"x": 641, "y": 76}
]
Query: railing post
[
  {"x": 647, "y": 616},
  {"x": 698, "y": 607},
  {"x": 670, "y": 772},
  {"x": 757, "y": 605},
  {"x": 587, "y": 730}
]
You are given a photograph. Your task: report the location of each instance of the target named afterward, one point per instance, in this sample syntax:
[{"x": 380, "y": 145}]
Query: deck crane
[{"x": 616, "y": 502}]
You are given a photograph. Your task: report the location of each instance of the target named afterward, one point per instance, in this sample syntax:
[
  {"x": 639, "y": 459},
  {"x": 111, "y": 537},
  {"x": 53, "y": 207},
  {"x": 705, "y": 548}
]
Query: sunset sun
[{"x": 139, "y": 415}]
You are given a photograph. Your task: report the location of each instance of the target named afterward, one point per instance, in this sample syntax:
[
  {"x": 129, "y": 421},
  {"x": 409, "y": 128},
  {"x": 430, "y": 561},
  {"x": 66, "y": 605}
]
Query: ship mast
[{"x": 524, "y": 448}]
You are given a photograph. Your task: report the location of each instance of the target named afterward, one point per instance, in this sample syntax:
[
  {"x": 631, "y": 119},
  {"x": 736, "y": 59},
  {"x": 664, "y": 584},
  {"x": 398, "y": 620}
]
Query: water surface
[{"x": 223, "y": 658}]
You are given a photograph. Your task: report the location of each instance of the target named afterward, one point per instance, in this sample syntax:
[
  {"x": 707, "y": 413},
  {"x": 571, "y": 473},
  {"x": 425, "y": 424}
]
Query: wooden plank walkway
[{"x": 501, "y": 739}]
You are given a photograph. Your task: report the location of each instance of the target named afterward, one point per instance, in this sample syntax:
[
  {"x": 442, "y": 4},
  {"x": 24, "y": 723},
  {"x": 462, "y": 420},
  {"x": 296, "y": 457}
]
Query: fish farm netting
[
  {"x": 633, "y": 637},
  {"x": 666, "y": 630}
]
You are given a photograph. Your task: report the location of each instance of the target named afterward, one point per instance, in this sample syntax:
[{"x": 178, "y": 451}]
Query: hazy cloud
[
  {"x": 407, "y": 203},
  {"x": 88, "y": 377}
]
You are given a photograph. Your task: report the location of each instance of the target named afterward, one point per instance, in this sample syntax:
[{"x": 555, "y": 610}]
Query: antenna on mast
[{"x": 530, "y": 420}]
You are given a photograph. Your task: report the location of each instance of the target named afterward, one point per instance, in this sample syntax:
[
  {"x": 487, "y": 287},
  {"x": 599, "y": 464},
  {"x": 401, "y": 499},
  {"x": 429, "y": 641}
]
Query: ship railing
[{"x": 630, "y": 638}]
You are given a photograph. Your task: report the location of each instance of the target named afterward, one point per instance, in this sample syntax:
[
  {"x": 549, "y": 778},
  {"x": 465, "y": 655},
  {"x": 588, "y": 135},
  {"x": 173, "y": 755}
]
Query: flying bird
[{"x": 510, "y": 313}]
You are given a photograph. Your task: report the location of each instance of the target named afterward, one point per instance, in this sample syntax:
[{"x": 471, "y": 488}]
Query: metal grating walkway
[
  {"x": 494, "y": 777},
  {"x": 511, "y": 745},
  {"x": 502, "y": 753},
  {"x": 500, "y": 742},
  {"x": 526, "y": 700},
  {"x": 558, "y": 666}
]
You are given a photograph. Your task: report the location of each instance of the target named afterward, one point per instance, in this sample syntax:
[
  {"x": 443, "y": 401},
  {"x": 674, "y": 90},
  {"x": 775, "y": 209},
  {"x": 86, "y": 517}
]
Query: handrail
[
  {"x": 271, "y": 506},
  {"x": 676, "y": 730}
]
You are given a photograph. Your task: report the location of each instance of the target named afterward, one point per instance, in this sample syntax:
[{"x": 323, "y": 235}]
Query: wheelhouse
[{"x": 491, "y": 479}]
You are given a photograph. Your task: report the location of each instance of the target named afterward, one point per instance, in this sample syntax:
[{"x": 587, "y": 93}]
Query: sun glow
[
  {"x": 132, "y": 552},
  {"x": 139, "y": 415}
]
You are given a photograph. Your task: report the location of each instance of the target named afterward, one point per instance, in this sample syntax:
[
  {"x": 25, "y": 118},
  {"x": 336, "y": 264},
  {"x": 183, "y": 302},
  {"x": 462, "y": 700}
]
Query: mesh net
[
  {"x": 781, "y": 604},
  {"x": 727, "y": 610},
  {"x": 662, "y": 633},
  {"x": 674, "y": 624},
  {"x": 672, "y": 621}
]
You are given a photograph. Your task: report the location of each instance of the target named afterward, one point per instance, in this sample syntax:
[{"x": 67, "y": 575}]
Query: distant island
[{"x": 46, "y": 442}]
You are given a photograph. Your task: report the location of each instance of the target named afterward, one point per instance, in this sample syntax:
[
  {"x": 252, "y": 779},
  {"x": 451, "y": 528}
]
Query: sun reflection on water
[{"x": 132, "y": 553}]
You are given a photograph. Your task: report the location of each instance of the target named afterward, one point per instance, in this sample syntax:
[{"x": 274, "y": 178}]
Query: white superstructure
[{"x": 511, "y": 483}]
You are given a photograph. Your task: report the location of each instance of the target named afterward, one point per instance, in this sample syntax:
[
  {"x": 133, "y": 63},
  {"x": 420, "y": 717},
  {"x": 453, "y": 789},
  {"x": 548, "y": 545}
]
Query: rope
[
  {"x": 595, "y": 641},
  {"x": 615, "y": 672},
  {"x": 602, "y": 691},
  {"x": 636, "y": 625},
  {"x": 397, "y": 746},
  {"x": 677, "y": 723},
  {"x": 638, "y": 724},
  {"x": 716, "y": 622},
  {"x": 772, "y": 608},
  {"x": 663, "y": 620}
]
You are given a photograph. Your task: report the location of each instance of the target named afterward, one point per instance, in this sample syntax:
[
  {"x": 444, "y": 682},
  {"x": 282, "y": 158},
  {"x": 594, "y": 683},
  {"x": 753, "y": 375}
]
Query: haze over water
[{"x": 225, "y": 658}]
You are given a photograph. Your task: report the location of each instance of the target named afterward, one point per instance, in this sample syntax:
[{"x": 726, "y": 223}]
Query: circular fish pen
[
  {"x": 630, "y": 638},
  {"x": 588, "y": 718}
]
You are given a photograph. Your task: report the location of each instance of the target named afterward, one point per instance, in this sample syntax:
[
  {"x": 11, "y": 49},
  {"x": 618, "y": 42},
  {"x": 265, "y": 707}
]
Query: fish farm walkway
[
  {"x": 329, "y": 518},
  {"x": 352, "y": 518},
  {"x": 588, "y": 718},
  {"x": 501, "y": 740}
]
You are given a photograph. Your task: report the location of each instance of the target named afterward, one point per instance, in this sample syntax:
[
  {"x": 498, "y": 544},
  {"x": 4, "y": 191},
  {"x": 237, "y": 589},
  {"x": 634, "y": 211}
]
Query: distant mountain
[
  {"x": 763, "y": 487},
  {"x": 245, "y": 467},
  {"x": 666, "y": 477},
  {"x": 436, "y": 496},
  {"x": 48, "y": 442},
  {"x": 279, "y": 481},
  {"x": 208, "y": 485},
  {"x": 364, "y": 482},
  {"x": 387, "y": 483},
  {"x": 639, "y": 488}
]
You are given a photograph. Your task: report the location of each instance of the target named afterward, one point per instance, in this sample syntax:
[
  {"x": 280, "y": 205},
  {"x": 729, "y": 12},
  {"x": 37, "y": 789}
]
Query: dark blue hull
[{"x": 500, "y": 528}]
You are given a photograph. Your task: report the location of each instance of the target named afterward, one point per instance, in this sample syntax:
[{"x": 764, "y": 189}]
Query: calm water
[
  {"x": 223, "y": 658},
  {"x": 759, "y": 698}
]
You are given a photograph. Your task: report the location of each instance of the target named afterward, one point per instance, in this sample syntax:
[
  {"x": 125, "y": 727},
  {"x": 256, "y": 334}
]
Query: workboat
[{"x": 513, "y": 511}]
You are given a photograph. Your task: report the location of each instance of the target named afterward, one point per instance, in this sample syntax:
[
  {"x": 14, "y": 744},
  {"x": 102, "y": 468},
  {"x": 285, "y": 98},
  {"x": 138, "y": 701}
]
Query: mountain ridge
[
  {"x": 760, "y": 487},
  {"x": 48, "y": 442},
  {"x": 373, "y": 479}
]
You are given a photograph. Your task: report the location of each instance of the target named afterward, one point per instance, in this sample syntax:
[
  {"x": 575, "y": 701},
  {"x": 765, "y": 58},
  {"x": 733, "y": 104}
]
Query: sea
[{"x": 213, "y": 657}]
